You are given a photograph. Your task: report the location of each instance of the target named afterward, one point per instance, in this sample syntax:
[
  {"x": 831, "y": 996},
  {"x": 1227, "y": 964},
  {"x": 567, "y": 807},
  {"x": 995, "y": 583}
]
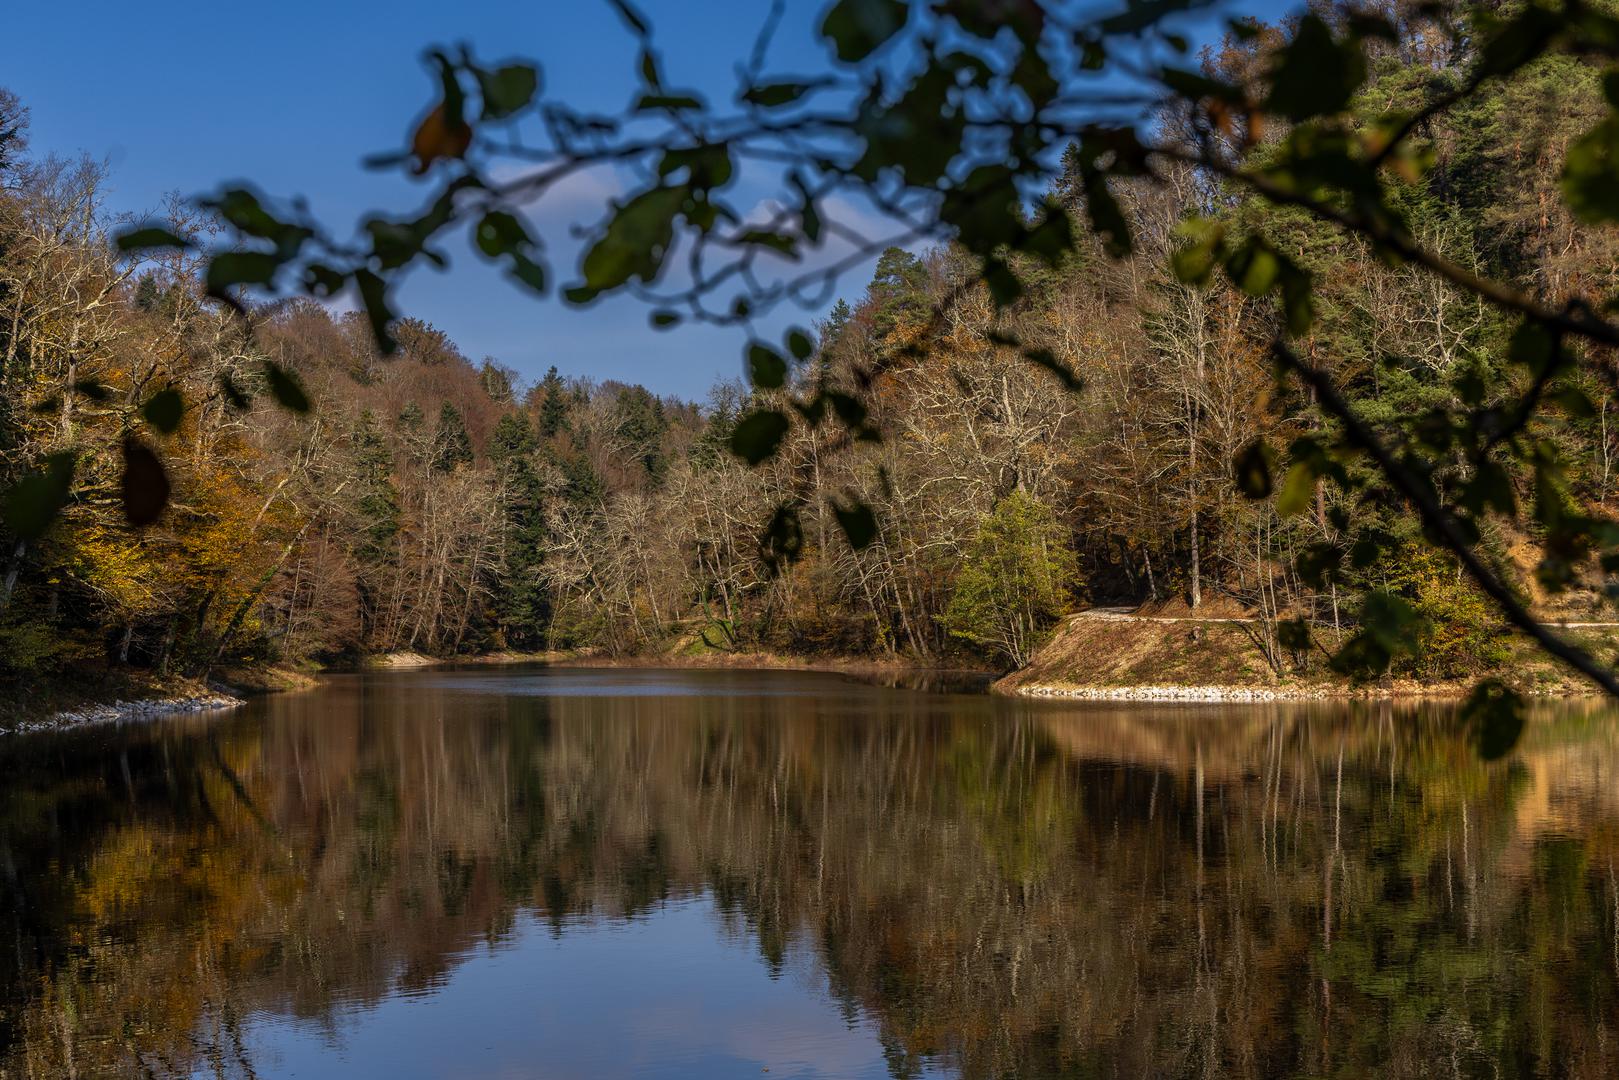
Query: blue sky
[{"x": 184, "y": 96}]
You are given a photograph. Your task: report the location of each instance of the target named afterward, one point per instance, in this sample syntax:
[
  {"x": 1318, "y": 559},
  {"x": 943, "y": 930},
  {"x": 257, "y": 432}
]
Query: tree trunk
[{"x": 11, "y": 574}]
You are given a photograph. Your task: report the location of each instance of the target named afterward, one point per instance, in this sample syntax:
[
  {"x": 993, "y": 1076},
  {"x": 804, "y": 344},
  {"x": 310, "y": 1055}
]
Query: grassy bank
[{"x": 1116, "y": 655}]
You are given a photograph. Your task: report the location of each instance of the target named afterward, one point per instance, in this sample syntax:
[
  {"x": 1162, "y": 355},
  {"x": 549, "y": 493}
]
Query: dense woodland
[{"x": 436, "y": 502}]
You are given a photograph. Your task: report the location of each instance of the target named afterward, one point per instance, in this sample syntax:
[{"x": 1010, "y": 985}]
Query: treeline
[{"x": 429, "y": 502}]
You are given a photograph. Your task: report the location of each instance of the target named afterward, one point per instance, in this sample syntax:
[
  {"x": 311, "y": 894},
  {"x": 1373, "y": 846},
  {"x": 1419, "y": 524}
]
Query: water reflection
[{"x": 555, "y": 873}]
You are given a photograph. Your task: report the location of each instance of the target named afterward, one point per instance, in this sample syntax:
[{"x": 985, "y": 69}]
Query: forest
[{"x": 424, "y": 500}]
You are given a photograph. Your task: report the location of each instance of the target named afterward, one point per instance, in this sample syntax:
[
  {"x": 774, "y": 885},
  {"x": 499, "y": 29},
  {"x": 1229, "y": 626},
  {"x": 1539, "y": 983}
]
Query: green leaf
[
  {"x": 850, "y": 410},
  {"x": 1251, "y": 469},
  {"x": 1489, "y": 487},
  {"x": 1390, "y": 627},
  {"x": 766, "y": 368},
  {"x": 1509, "y": 45},
  {"x": 632, "y": 18},
  {"x": 507, "y": 90},
  {"x": 783, "y": 538},
  {"x": 374, "y": 295},
  {"x": 453, "y": 107},
  {"x": 649, "y": 69},
  {"x": 243, "y": 210},
  {"x": 1315, "y": 75},
  {"x": 322, "y": 281},
  {"x": 1298, "y": 489},
  {"x": 858, "y": 523},
  {"x": 775, "y": 95},
  {"x": 1193, "y": 262},
  {"x": 284, "y": 387},
  {"x": 1317, "y": 563},
  {"x": 1573, "y": 401},
  {"x": 1253, "y": 267},
  {"x": 1004, "y": 286},
  {"x": 145, "y": 484},
  {"x": 1591, "y": 173},
  {"x": 1494, "y": 714},
  {"x": 671, "y": 102},
  {"x": 1142, "y": 15},
  {"x": 1294, "y": 634},
  {"x": 234, "y": 395},
  {"x": 707, "y": 165},
  {"x": 759, "y": 435},
  {"x": 1533, "y": 346},
  {"x": 499, "y": 233},
  {"x": 664, "y": 318},
  {"x": 857, "y": 28},
  {"x": 528, "y": 272},
  {"x": 232, "y": 268},
  {"x": 1047, "y": 359},
  {"x": 164, "y": 410},
  {"x": 30, "y": 505},
  {"x": 800, "y": 344},
  {"x": 1107, "y": 218},
  {"x": 635, "y": 241},
  {"x": 809, "y": 218},
  {"x": 1051, "y": 239},
  {"x": 781, "y": 243},
  {"x": 1298, "y": 300},
  {"x": 143, "y": 239}
]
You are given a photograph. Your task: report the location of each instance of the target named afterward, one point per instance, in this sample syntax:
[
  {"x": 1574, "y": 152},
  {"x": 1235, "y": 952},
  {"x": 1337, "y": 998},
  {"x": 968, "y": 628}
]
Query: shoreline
[
  {"x": 1238, "y": 694},
  {"x": 856, "y": 666},
  {"x": 1027, "y": 683},
  {"x": 119, "y": 712}
]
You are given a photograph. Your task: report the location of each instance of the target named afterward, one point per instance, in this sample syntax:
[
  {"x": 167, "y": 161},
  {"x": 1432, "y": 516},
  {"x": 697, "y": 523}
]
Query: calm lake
[{"x": 587, "y": 873}]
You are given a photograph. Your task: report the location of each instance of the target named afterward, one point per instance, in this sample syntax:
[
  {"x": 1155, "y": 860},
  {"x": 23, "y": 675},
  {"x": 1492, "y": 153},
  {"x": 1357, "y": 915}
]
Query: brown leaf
[
  {"x": 437, "y": 138},
  {"x": 146, "y": 484}
]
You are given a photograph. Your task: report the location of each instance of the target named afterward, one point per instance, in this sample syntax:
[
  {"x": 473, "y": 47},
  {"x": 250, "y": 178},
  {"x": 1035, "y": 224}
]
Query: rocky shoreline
[
  {"x": 1175, "y": 693},
  {"x": 119, "y": 712}
]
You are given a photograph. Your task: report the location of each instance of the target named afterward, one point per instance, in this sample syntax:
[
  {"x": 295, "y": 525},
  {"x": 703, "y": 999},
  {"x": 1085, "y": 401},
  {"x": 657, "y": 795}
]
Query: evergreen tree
[
  {"x": 641, "y": 421},
  {"x": 583, "y": 485},
  {"x": 712, "y": 447},
  {"x": 1016, "y": 579},
  {"x": 378, "y": 504},
  {"x": 523, "y": 606},
  {"x": 497, "y": 381},
  {"x": 552, "y": 404},
  {"x": 897, "y": 291},
  {"x": 452, "y": 446}
]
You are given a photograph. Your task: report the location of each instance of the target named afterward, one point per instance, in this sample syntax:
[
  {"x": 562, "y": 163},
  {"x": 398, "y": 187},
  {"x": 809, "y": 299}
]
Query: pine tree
[
  {"x": 523, "y": 606},
  {"x": 897, "y": 290},
  {"x": 642, "y": 422},
  {"x": 552, "y": 399},
  {"x": 452, "y": 446}
]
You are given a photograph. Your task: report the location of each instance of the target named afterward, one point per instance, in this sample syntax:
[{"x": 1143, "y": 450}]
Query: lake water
[{"x": 594, "y": 873}]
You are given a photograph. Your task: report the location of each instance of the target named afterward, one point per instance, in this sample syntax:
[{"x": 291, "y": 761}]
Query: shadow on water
[{"x": 707, "y": 873}]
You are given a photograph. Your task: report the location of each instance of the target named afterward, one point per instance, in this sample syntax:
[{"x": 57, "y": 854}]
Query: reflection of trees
[{"x": 1016, "y": 889}]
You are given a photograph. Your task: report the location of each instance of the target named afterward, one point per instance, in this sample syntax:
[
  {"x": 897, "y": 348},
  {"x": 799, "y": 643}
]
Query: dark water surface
[{"x": 596, "y": 873}]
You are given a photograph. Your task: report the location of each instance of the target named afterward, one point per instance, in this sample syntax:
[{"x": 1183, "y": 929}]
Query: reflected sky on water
[{"x": 545, "y": 872}]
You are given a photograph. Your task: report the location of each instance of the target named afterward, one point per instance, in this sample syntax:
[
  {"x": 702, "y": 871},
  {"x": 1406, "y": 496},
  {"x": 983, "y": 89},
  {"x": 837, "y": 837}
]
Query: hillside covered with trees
[{"x": 425, "y": 500}]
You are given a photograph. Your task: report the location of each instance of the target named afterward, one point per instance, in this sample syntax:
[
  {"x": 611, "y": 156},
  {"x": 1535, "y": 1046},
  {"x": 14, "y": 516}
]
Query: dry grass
[{"x": 1104, "y": 652}]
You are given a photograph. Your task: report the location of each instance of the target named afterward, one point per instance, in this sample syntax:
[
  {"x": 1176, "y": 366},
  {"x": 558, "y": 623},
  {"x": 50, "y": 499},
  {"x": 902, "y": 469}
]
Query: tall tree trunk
[{"x": 11, "y": 574}]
